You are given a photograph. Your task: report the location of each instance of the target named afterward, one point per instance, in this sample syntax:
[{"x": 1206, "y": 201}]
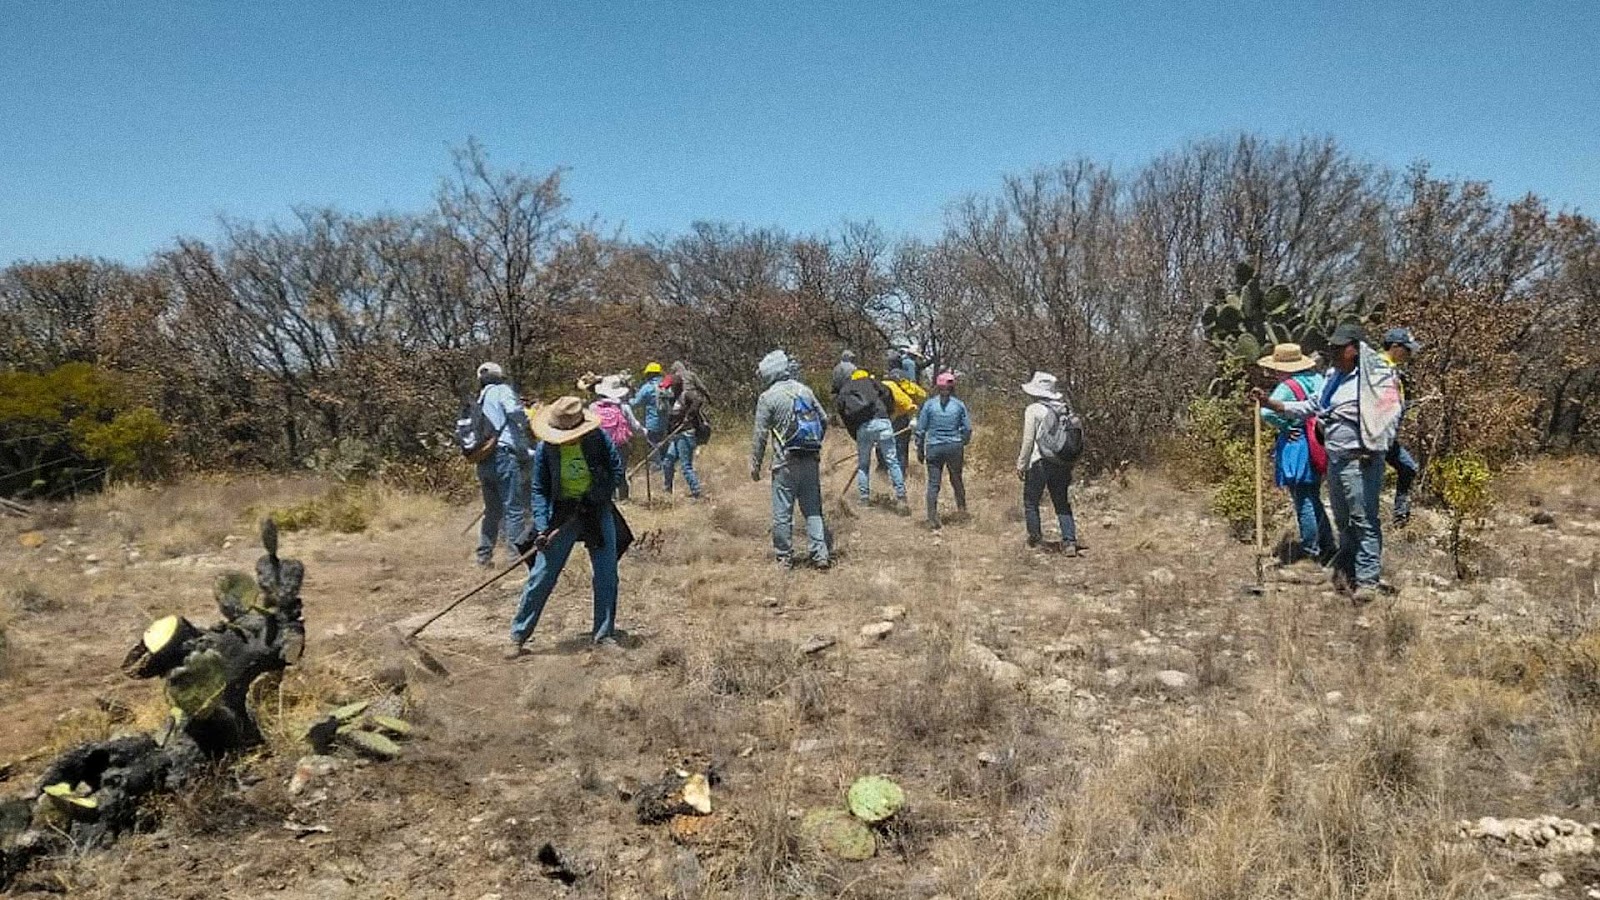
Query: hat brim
[
  {"x": 1034, "y": 390},
  {"x": 614, "y": 393},
  {"x": 546, "y": 431},
  {"x": 1299, "y": 365}
]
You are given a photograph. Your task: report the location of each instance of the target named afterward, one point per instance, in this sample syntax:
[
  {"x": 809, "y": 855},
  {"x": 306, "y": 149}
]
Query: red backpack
[{"x": 1313, "y": 430}]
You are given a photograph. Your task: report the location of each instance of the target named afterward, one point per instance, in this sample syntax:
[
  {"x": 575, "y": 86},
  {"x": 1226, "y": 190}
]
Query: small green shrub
[
  {"x": 343, "y": 509},
  {"x": 1462, "y": 481}
]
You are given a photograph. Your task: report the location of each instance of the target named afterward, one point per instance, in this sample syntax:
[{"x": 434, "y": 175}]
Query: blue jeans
[
  {"x": 1043, "y": 476},
  {"x": 680, "y": 450},
  {"x": 1354, "y": 484},
  {"x": 798, "y": 480},
  {"x": 942, "y": 458},
  {"x": 877, "y": 435},
  {"x": 547, "y": 569},
  {"x": 505, "y": 501},
  {"x": 1316, "y": 532},
  {"x": 1405, "y": 474}
]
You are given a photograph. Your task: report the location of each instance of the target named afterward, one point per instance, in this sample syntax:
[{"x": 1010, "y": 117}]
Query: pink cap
[{"x": 945, "y": 379}]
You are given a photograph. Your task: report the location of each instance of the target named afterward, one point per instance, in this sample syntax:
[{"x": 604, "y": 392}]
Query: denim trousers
[
  {"x": 680, "y": 451},
  {"x": 1042, "y": 477},
  {"x": 546, "y": 570},
  {"x": 878, "y": 435},
  {"x": 1405, "y": 474},
  {"x": 1354, "y": 483},
  {"x": 798, "y": 481},
  {"x": 504, "y": 482},
  {"x": 1316, "y": 532},
  {"x": 945, "y": 458}
]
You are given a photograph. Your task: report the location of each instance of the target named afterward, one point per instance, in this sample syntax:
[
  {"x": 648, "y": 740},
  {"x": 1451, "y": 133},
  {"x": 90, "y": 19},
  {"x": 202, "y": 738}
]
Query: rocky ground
[{"x": 1140, "y": 721}]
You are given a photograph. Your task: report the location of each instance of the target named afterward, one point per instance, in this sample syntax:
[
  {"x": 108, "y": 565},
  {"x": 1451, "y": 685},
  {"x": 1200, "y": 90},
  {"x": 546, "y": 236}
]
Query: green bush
[
  {"x": 1462, "y": 481},
  {"x": 343, "y": 509},
  {"x": 1213, "y": 450},
  {"x": 75, "y": 427}
]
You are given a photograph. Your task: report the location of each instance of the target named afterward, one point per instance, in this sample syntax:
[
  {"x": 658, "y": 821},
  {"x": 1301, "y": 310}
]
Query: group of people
[
  {"x": 556, "y": 477},
  {"x": 1341, "y": 426}
]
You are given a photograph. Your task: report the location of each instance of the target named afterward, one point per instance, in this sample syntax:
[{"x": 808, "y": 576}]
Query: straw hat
[
  {"x": 1043, "y": 387},
  {"x": 612, "y": 388},
  {"x": 564, "y": 421},
  {"x": 1287, "y": 358}
]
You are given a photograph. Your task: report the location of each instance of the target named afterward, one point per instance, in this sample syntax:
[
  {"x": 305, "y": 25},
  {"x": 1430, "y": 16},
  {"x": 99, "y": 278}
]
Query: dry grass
[{"x": 189, "y": 517}]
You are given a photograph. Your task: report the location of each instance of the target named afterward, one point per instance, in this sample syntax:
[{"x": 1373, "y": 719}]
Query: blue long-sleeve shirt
[
  {"x": 649, "y": 397},
  {"x": 943, "y": 421}
]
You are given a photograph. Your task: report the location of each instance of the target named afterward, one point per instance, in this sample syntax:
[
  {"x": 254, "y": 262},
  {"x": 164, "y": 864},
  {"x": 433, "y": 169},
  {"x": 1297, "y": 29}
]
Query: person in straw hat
[
  {"x": 1298, "y": 462},
  {"x": 1040, "y": 473},
  {"x": 576, "y": 470},
  {"x": 617, "y": 421},
  {"x": 1355, "y": 470},
  {"x": 502, "y": 473}
]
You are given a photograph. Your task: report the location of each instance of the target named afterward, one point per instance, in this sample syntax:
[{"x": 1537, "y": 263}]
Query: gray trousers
[{"x": 798, "y": 480}]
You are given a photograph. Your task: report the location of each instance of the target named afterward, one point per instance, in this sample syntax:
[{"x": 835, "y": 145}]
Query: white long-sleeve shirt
[{"x": 1033, "y": 418}]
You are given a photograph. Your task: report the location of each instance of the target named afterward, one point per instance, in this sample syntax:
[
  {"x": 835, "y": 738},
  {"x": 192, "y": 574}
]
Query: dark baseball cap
[
  {"x": 1346, "y": 334},
  {"x": 1403, "y": 337}
]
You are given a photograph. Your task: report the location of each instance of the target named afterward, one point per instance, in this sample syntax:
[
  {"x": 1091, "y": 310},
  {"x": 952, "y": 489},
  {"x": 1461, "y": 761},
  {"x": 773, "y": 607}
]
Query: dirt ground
[{"x": 1133, "y": 722}]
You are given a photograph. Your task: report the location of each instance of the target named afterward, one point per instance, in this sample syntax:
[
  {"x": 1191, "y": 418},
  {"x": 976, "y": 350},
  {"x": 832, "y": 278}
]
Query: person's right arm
[
  {"x": 758, "y": 437},
  {"x": 541, "y": 499},
  {"x": 1030, "y": 433}
]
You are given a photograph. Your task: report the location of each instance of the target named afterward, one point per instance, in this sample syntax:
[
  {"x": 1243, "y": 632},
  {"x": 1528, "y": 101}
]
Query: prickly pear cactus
[{"x": 1243, "y": 325}]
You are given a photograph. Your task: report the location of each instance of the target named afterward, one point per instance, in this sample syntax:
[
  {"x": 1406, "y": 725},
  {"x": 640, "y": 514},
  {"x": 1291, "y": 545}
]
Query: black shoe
[{"x": 822, "y": 565}]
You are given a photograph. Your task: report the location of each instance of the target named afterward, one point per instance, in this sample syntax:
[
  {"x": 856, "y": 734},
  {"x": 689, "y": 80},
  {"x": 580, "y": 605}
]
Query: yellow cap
[
  {"x": 859, "y": 374},
  {"x": 653, "y": 369}
]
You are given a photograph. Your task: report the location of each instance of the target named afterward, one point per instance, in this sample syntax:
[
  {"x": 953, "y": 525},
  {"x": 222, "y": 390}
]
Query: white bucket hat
[
  {"x": 1043, "y": 387},
  {"x": 612, "y": 388}
]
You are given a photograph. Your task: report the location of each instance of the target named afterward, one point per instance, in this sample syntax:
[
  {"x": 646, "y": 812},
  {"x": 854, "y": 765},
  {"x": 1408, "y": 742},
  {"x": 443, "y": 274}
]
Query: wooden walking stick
[{"x": 1255, "y": 413}]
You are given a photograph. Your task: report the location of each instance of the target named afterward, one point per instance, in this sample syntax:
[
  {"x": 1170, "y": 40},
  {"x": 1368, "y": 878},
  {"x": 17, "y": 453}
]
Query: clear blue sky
[{"x": 123, "y": 124}]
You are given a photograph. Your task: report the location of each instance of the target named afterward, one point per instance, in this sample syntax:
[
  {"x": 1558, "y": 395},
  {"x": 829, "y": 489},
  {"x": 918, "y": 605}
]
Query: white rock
[
  {"x": 1552, "y": 880},
  {"x": 1114, "y": 677},
  {"x": 876, "y": 631},
  {"x": 1161, "y": 577},
  {"x": 1333, "y": 698},
  {"x": 1172, "y": 679},
  {"x": 891, "y": 613},
  {"x": 92, "y": 558}
]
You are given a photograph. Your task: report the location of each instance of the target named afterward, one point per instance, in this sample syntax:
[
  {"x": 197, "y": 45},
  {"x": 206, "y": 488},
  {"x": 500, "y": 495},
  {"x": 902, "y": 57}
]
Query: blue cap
[{"x": 1401, "y": 337}]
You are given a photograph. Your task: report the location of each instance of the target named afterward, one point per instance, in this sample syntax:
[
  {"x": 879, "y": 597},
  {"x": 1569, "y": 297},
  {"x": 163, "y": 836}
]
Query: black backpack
[
  {"x": 858, "y": 403},
  {"x": 1060, "y": 436}
]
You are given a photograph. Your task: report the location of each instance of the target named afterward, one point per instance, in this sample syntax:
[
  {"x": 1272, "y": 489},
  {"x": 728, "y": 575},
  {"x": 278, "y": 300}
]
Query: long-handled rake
[{"x": 427, "y": 659}]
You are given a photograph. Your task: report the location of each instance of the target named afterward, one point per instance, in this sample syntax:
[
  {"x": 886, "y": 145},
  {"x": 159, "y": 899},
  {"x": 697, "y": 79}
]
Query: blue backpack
[{"x": 805, "y": 435}]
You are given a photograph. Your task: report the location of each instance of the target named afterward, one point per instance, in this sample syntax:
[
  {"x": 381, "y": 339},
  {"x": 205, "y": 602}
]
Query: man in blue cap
[{"x": 1398, "y": 346}]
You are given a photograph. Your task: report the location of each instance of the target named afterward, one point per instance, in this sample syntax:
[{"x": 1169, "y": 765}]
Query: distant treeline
[{"x": 274, "y": 341}]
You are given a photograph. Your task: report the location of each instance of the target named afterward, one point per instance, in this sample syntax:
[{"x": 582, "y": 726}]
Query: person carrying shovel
[
  {"x": 576, "y": 470},
  {"x": 789, "y": 413}
]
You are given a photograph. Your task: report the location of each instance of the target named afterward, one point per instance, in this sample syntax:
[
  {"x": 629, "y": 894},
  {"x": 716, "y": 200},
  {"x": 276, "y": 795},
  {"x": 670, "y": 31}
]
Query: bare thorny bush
[{"x": 274, "y": 341}]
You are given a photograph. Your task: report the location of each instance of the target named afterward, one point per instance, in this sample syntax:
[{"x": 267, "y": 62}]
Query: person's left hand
[{"x": 755, "y": 473}]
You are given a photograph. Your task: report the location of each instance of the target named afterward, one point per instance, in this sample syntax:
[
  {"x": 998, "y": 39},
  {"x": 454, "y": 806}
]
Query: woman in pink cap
[{"x": 943, "y": 429}]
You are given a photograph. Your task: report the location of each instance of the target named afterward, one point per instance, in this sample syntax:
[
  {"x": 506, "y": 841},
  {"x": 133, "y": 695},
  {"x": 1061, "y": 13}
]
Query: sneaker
[
  {"x": 1401, "y": 520},
  {"x": 1068, "y": 550},
  {"x": 902, "y": 508},
  {"x": 822, "y": 565},
  {"x": 784, "y": 562},
  {"x": 517, "y": 650},
  {"x": 1365, "y": 594},
  {"x": 608, "y": 644}
]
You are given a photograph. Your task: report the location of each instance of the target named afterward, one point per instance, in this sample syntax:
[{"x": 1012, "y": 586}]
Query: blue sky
[{"x": 124, "y": 124}]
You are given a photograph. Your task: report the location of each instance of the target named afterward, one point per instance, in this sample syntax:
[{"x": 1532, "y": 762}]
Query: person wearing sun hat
[
  {"x": 617, "y": 421},
  {"x": 943, "y": 430},
  {"x": 1399, "y": 345},
  {"x": 576, "y": 471},
  {"x": 1039, "y": 474},
  {"x": 1355, "y": 471},
  {"x": 1293, "y": 465},
  {"x": 502, "y": 475}
]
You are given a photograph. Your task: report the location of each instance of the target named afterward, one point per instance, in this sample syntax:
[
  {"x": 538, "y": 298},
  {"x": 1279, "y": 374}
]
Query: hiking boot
[
  {"x": 517, "y": 650},
  {"x": 1401, "y": 520},
  {"x": 822, "y": 565},
  {"x": 608, "y": 644},
  {"x": 785, "y": 563},
  {"x": 1067, "y": 550},
  {"x": 1365, "y": 594},
  {"x": 902, "y": 508}
]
